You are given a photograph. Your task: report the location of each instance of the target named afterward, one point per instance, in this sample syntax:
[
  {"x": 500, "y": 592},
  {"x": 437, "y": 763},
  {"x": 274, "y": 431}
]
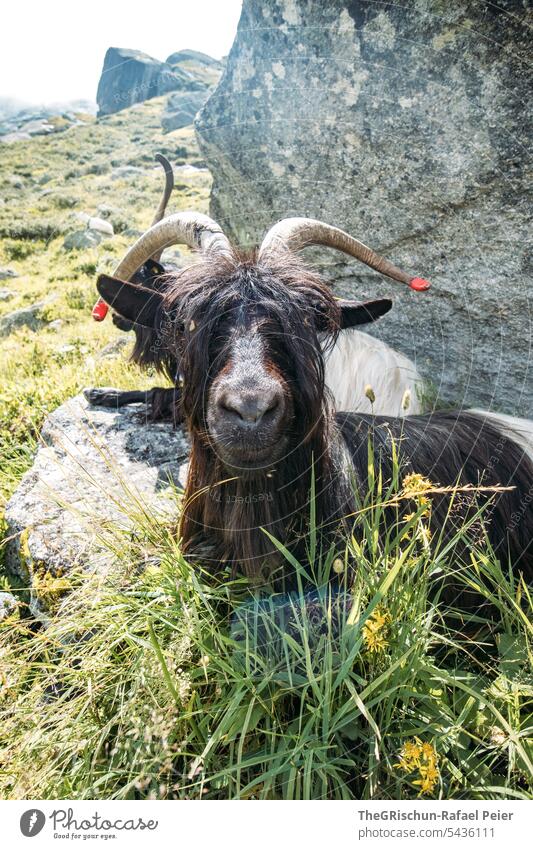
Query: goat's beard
[{"x": 229, "y": 521}]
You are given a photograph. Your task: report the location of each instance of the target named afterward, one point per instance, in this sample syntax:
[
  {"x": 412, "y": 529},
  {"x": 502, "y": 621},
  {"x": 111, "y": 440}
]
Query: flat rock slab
[{"x": 95, "y": 468}]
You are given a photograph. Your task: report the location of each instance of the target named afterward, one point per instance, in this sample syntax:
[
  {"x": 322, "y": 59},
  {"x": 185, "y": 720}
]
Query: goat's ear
[
  {"x": 353, "y": 313},
  {"x": 148, "y": 274},
  {"x": 136, "y": 303}
]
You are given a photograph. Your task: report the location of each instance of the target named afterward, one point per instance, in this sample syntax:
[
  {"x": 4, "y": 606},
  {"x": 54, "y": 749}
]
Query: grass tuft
[{"x": 154, "y": 683}]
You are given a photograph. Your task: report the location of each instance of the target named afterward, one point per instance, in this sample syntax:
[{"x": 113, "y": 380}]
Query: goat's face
[
  {"x": 151, "y": 274},
  {"x": 249, "y": 341},
  {"x": 251, "y": 360},
  {"x": 249, "y": 397}
]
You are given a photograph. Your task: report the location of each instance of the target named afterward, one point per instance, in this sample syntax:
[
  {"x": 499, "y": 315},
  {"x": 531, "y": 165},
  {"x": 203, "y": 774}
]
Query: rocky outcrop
[
  {"x": 405, "y": 124},
  {"x": 130, "y": 76},
  {"x": 181, "y": 109},
  {"x": 23, "y": 124},
  {"x": 96, "y": 469},
  {"x": 195, "y": 56}
]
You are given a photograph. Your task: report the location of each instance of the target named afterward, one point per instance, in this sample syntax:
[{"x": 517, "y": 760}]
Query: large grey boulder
[
  {"x": 130, "y": 76},
  {"x": 181, "y": 109},
  {"x": 96, "y": 472},
  {"x": 406, "y": 124}
]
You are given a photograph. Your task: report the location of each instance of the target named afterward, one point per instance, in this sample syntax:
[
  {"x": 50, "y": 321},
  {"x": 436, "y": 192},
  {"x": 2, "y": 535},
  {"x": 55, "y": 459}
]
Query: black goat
[
  {"x": 161, "y": 401},
  {"x": 353, "y": 362},
  {"x": 248, "y": 336}
]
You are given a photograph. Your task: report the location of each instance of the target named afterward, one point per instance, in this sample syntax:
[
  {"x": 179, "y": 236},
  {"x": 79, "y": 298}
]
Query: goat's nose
[{"x": 251, "y": 407}]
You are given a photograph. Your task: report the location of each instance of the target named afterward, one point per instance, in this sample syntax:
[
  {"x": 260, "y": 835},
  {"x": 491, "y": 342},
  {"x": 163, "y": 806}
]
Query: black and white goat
[
  {"x": 355, "y": 362},
  {"x": 248, "y": 333}
]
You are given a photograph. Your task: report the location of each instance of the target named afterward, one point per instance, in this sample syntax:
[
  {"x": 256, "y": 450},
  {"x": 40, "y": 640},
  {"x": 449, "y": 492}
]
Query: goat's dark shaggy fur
[
  {"x": 202, "y": 310},
  {"x": 454, "y": 448},
  {"x": 291, "y": 309}
]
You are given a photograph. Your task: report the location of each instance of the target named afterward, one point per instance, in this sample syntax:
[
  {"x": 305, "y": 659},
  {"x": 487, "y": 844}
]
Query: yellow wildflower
[
  {"x": 414, "y": 486},
  {"x": 375, "y": 630},
  {"x": 415, "y": 483},
  {"x": 421, "y": 757}
]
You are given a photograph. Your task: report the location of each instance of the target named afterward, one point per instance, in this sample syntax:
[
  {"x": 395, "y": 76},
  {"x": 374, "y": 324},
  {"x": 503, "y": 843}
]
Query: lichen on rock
[
  {"x": 404, "y": 124},
  {"x": 96, "y": 469}
]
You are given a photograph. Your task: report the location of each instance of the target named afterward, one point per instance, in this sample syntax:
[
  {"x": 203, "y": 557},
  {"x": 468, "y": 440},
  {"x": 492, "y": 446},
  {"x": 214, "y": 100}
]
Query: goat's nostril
[
  {"x": 272, "y": 406},
  {"x": 250, "y": 409}
]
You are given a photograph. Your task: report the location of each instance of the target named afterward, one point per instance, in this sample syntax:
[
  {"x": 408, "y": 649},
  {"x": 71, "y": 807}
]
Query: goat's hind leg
[
  {"x": 107, "y": 396},
  {"x": 161, "y": 403}
]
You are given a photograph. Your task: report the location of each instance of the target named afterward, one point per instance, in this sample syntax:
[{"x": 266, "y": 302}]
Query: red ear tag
[
  {"x": 100, "y": 310},
  {"x": 419, "y": 284}
]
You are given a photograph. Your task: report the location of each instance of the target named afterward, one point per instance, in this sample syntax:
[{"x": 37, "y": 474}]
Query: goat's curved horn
[
  {"x": 167, "y": 191},
  {"x": 100, "y": 308},
  {"x": 165, "y": 197},
  {"x": 183, "y": 228},
  {"x": 292, "y": 234}
]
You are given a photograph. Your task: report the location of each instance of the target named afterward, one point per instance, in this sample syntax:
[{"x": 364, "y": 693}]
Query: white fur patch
[
  {"x": 358, "y": 361},
  {"x": 519, "y": 430}
]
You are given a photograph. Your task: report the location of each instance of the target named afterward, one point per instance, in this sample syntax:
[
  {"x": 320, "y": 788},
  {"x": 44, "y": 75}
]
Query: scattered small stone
[
  {"x": 173, "y": 259},
  {"x": 15, "y": 181},
  {"x": 190, "y": 169},
  {"x": 7, "y": 273},
  {"x": 181, "y": 109},
  {"x": 24, "y": 317},
  {"x": 100, "y": 226},
  {"x": 10, "y": 138},
  {"x": 8, "y": 605},
  {"x": 56, "y": 324},
  {"x": 82, "y": 239},
  {"x": 81, "y": 216},
  {"x": 38, "y": 128},
  {"x": 114, "y": 348},
  {"x": 6, "y": 294}
]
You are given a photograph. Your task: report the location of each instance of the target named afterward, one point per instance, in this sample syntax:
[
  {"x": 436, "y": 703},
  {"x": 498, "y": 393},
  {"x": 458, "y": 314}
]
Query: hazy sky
[{"x": 54, "y": 49}]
